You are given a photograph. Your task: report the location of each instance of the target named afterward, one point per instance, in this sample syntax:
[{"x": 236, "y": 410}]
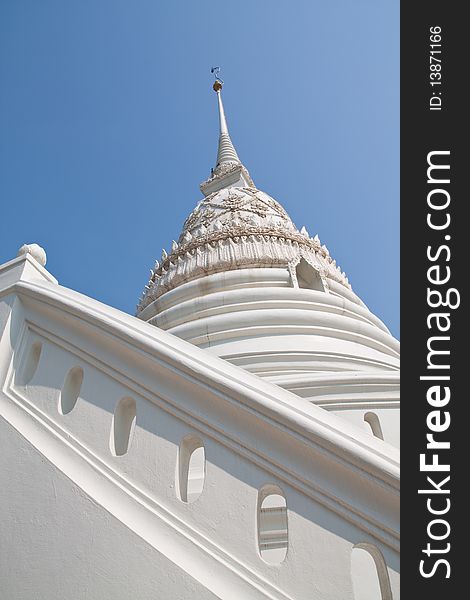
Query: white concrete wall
[
  {"x": 57, "y": 543},
  {"x": 340, "y": 484}
]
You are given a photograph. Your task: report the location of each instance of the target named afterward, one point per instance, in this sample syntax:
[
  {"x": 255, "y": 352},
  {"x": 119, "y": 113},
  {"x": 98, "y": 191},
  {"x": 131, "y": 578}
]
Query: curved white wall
[{"x": 325, "y": 347}]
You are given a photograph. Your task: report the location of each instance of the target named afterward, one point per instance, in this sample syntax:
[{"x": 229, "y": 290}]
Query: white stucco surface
[
  {"x": 76, "y": 373},
  {"x": 57, "y": 543}
]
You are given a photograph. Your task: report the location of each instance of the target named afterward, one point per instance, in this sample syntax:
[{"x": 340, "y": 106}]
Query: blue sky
[{"x": 108, "y": 125}]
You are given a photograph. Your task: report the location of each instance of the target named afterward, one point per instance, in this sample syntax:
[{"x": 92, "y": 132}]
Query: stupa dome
[
  {"x": 235, "y": 228},
  {"x": 238, "y": 211},
  {"x": 243, "y": 282}
]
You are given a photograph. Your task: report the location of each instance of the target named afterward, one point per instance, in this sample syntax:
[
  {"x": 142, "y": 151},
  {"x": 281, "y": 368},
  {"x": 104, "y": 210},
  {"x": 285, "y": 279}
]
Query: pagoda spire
[
  {"x": 229, "y": 170},
  {"x": 226, "y": 151}
]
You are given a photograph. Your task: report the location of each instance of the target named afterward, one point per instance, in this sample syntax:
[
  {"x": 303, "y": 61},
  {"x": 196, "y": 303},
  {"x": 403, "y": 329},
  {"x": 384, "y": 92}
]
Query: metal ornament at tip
[{"x": 218, "y": 83}]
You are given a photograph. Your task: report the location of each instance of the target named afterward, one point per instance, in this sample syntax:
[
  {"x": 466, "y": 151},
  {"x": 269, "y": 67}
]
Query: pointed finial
[
  {"x": 226, "y": 151},
  {"x": 228, "y": 170}
]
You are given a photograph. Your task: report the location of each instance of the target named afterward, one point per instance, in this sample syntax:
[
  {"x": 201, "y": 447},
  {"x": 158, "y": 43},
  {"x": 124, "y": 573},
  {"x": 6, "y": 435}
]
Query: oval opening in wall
[
  {"x": 272, "y": 525},
  {"x": 32, "y": 362},
  {"x": 373, "y": 421},
  {"x": 123, "y": 426},
  {"x": 191, "y": 468},
  {"x": 70, "y": 390},
  {"x": 369, "y": 573}
]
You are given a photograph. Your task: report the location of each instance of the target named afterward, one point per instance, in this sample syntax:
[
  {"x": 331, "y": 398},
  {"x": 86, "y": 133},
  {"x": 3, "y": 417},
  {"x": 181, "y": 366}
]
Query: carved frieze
[{"x": 237, "y": 228}]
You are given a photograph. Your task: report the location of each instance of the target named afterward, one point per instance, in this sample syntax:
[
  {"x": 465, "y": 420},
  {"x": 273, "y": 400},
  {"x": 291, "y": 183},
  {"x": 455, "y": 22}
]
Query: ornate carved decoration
[{"x": 237, "y": 228}]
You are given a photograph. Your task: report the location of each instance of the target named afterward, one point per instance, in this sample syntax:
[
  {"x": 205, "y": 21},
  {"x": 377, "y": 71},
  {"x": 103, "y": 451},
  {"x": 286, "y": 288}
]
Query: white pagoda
[{"x": 237, "y": 439}]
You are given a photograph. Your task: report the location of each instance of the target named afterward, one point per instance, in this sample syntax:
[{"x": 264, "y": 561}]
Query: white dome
[
  {"x": 236, "y": 228},
  {"x": 238, "y": 211}
]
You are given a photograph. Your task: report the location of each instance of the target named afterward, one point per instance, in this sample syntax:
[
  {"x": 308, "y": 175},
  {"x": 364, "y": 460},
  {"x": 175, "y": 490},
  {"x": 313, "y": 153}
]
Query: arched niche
[
  {"x": 123, "y": 426},
  {"x": 70, "y": 390},
  {"x": 374, "y": 423},
  {"x": 31, "y": 363},
  {"x": 369, "y": 573},
  {"x": 272, "y": 524},
  {"x": 191, "y": 468},
  {"x": 308, "y": 277}
]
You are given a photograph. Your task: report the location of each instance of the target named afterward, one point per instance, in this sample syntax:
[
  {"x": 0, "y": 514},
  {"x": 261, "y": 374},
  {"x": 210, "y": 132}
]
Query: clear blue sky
[{"x": 108, "y": 125}]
